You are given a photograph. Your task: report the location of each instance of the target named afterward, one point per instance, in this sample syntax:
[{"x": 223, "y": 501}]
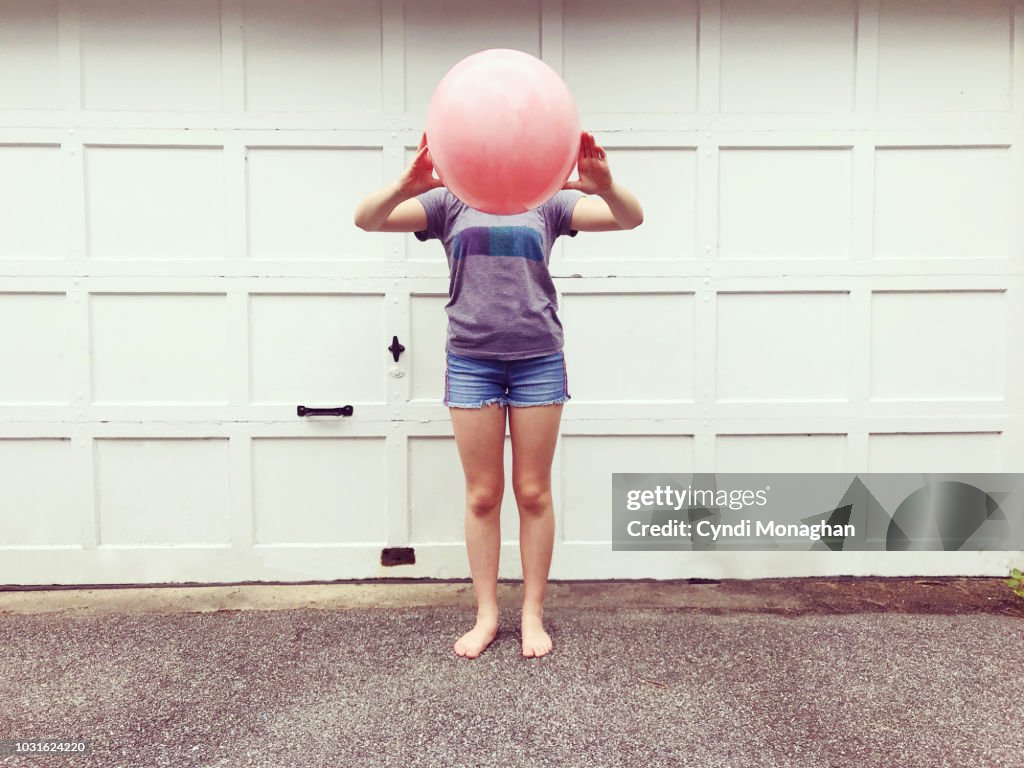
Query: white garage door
[{"x": 829, "y": 277}]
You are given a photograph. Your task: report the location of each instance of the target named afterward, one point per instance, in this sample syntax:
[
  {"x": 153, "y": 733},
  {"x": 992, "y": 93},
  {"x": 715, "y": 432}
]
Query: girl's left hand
[{"x": 595, "y": 177}]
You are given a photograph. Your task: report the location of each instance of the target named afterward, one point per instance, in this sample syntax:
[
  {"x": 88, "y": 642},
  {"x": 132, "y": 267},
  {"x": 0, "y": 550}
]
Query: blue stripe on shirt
[{"x": 498, "y": 241}]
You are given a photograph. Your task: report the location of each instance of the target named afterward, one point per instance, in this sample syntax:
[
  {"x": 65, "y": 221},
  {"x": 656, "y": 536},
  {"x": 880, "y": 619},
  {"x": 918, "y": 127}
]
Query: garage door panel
[
  {"x": 35, "y": 362},
  {"x": 154, "y": 202},
  {"x": 768, "y": 65},
  {"x": 300, "y": 202},
  {"x": 785, "y": 203},
  {"x": 427, "y": 352},
  {"x": 630, "y": 347},
  {"x": 437, "y": 493},
  {"x": 319, "y": 490},
  {"x": 34, "y": 510},
  {"x": 30, "y": 201},
  {"x": 665, "y": 180},
  {"x": 780, "y": 453},
  {"x": 312, "y": 55},
  {"x": 152, "y": 491},
  {"x": 782, "y": 347},
  {"x": 159, "y": 349},
  {"x": 936, "y": 452},
  {"x": 150, "y": 56},
  {"x": 942, "y": 202},
  {"x": 314, "y": 347},
  {"x": 645, "y": 49},
  {"x": 440, "y": 33},
  {"x": 968, "y": 71},
  {"x": 29, "y": 57},
  {"x": 938, "y": 345},
  {"x": 587, "y": 464}
]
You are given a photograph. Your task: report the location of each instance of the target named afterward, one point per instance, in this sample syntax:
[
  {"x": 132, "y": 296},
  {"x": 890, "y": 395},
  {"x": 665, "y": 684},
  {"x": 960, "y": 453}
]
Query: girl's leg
[
  {"x": 534, "y": 432},
  {"x": 480, "y": 438}
]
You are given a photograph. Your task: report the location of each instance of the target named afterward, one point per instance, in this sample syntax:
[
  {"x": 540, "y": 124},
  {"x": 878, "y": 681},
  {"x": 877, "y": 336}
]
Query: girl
[{"x": 504, "y": 349}]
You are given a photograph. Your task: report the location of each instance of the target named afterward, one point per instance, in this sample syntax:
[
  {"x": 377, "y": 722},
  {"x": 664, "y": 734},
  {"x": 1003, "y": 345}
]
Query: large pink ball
[{"x": 503, "y": 131}]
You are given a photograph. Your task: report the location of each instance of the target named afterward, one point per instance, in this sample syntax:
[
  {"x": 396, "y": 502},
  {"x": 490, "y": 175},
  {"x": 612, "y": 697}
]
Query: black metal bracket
[
  {"x": 391, "y": 556},
  {"x": 344, "y": 410},
  {"x": 396, "y": 348}
]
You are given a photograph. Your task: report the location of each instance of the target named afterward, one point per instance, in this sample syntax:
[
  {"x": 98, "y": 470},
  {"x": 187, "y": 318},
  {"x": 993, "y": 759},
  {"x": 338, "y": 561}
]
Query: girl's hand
[
  {"x": 419, "y": 176},
  {"x": 595, "y": 177}
]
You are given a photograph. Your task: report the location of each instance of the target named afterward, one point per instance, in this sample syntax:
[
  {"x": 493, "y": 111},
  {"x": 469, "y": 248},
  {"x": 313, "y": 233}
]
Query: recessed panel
[
  {"x": 788, "y": 55},
  {"x": 944, "y": 55},
  {"x": 154, "y": 202},
  {"x": 437, "y": 493},
  {"x": 31, "y": 202},
  {"x": 629, "y": 347},
  {"x": 35, "y": 331},
  {"x": 162, "y": 57},
  {"x": 941, "y": 452},
  {"x": 312, "y": 55},
  {"x": 319, "y": 491},
  {"x": 784, "y": 203},
  {"x": 152, "y": 491},
  {"x": 938, "y": 345},
  {"x": 780, "y": 453},
  {"x": 36, "y": 510},
  {"x": 29, "y": 59},
  {"x": 943, "y": 202},
  {"x": 426, "y": 355},
  {"x": 588, "y": 462},
  {"x": 440, "y": 33},
  {"x": 665, "y": 183},
  {"x": 782, "y": 347},
  {"x": 320, "y": 350},
  {"x": 159, "y": 349},
  {"x": 301, "y": 203},
  {"x": 639, "y": 56}
]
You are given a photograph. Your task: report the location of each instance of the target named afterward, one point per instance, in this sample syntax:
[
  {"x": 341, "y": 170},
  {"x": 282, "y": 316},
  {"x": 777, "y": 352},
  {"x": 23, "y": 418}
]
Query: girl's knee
[
  {"x": 533, "y": 498},
  {"x": 483, "y": 500}
]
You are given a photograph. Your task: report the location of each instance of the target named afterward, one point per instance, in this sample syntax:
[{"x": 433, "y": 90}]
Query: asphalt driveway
[{"x": 779, "y": 672}]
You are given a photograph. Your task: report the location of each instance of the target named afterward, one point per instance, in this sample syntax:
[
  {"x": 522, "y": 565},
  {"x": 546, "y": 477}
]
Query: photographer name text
[{"x": 739, "y": 529}]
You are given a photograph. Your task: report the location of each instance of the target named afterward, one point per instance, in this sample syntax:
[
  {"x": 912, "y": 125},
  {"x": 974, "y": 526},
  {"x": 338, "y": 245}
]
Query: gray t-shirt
[{"x": 503, "y": 304}]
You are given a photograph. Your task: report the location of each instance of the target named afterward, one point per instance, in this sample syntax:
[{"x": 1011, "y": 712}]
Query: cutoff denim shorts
[{"x": 471, "y": 382}]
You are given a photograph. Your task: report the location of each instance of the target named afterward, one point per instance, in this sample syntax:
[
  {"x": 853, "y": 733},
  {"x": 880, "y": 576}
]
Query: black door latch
[{"x": 396, "y": 348}]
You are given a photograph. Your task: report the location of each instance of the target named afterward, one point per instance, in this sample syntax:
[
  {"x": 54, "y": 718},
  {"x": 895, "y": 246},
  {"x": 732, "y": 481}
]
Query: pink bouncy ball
[{"x": 503, "y": 131}]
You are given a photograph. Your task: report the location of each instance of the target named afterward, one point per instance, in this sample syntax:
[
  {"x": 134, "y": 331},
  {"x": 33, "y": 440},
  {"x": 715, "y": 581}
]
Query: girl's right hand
[{"x": 419, "y": 176}]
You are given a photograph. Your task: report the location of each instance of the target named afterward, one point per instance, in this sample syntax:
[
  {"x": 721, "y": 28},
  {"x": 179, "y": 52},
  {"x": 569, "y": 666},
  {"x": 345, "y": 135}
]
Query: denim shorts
[{"x": 472, "y": 382}]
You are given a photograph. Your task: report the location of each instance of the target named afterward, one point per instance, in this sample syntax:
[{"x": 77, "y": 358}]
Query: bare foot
[
  {"x": 473, "y": 643},
  {"x": 536, "y": 642}
]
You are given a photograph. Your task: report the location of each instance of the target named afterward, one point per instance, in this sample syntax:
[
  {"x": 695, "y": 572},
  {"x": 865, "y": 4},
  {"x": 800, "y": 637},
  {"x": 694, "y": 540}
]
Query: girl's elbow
[{"x": 362, "y": 223}]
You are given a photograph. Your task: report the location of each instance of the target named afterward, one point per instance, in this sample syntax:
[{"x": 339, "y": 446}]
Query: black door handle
[{"x": 344, "y": 410}]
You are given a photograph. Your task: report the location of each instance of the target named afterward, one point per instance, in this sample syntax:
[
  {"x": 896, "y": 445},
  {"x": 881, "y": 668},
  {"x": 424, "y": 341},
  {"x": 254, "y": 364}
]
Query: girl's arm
[
  {"x": 394, "y": 208},
  {"x": 608, "y": 206},
  {"x": 389, "y": 209}
]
